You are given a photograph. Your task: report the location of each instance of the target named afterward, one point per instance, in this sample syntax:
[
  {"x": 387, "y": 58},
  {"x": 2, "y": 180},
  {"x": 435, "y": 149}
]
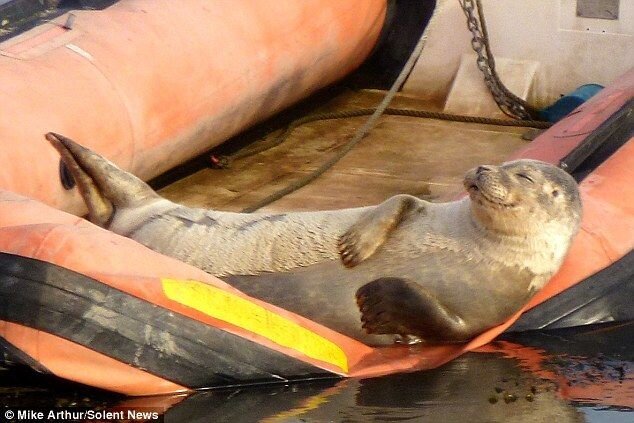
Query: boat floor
[{"x": 423, "y": 157}]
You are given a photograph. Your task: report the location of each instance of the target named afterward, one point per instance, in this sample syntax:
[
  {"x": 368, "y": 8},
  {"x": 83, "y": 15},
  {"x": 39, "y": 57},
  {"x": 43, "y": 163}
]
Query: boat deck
[{"x": 423, "y": 157}]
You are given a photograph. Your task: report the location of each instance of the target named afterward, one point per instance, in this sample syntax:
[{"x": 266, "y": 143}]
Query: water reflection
[
  {"x": 592, "y": 365},
  {"x": 564, "y": 376},
  {"x": 582, "y": 374},
  {"x": 484, "y": 386}
]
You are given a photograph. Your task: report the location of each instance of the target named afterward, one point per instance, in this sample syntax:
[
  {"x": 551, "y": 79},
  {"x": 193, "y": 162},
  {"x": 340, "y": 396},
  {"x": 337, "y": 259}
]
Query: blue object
[{"x": 566, "y": 104}]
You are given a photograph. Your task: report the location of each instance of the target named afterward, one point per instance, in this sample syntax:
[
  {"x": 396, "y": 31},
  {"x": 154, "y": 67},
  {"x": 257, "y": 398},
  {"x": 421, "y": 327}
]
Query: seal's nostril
[{"x": 482, "y": 169}]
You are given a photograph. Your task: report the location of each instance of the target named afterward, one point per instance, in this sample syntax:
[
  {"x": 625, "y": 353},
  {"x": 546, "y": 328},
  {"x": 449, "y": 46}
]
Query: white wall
[{"x": 571, "y": 51}]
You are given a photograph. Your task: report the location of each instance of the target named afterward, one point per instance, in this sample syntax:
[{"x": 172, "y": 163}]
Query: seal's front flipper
[
  {"x": 401, "y": 307},
  {"x": 367, "y": 234}
]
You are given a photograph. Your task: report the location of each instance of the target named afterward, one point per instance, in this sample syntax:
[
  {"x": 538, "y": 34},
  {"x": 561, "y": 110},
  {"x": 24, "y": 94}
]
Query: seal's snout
[
  {"x": 483, "y": 169},
  {"x": 475, "y": 178},
  {"x": 469, "y": 181},
  {"x": 489, "y": 184}
]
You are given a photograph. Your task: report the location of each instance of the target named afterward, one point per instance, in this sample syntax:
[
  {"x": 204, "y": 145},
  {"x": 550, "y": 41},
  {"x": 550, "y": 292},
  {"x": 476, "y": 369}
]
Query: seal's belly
[{"x": 325, "y": 292}]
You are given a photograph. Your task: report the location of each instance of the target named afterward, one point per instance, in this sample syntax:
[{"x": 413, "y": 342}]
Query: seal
[{"x": 442, "y": 272}]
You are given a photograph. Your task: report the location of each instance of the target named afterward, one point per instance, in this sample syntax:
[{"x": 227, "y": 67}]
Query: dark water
[{"x": 583, "y": 374}]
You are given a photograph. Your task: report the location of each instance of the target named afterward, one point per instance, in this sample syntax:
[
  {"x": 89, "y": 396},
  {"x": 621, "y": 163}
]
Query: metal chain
[{"x": 508, "y": 102}]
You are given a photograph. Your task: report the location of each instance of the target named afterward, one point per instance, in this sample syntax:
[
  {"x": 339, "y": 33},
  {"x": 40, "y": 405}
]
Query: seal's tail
[{"x": 101, "y": 183}]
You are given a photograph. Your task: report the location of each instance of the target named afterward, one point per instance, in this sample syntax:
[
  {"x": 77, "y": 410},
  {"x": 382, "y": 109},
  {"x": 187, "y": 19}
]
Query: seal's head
[{"x": 523, "y": 197}]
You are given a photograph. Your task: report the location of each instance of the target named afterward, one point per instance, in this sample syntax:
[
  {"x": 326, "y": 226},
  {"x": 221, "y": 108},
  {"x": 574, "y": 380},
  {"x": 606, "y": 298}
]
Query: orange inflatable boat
[
  {"x": 93, "y": 307},
  {"x": 167, "y": 81}
]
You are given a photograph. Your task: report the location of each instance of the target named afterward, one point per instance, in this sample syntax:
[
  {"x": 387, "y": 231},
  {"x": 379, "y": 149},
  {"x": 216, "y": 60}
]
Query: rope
[
  {"x": 358, "y": 136},
  {"x": 375, "y": 114},
  {"x": 346, "y": 114}
]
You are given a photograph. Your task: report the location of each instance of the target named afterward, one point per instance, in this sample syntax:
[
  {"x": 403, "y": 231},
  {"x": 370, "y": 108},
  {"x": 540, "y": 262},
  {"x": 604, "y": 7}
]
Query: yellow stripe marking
[{"x": 242, "y": 313}]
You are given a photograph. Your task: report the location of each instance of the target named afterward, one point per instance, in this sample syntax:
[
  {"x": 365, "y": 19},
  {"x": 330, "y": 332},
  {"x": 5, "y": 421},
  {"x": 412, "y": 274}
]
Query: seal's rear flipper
[
  {"x": 102, "y": 184},
  {"x": 401, "y": 307},
  {"x": 99, "y": 208}
]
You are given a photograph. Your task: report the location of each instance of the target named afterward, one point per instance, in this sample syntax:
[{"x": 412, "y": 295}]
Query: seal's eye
[
  {"x": 555, "y": 193},
  {"x": 525, "y": 176}
]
